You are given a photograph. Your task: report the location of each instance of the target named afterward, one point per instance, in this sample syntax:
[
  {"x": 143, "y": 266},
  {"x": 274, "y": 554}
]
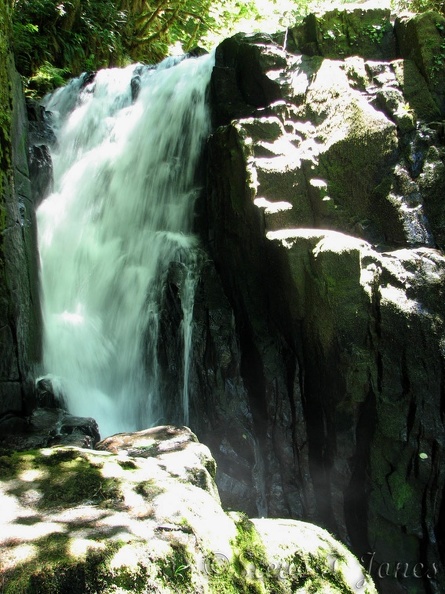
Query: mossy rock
[
  {"x": 63, "y": 477},
  {"x": 347, "y": 32},
  {"x": 415, "y": 91},
  {"x": 421, "y": 38},
  {"x": 81, "y": 521},
  {"x": 5, "y": 103},
  {"x": 356, "y": 164}
]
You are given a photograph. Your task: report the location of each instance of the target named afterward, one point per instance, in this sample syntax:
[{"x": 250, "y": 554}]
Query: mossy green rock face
[
  {"x": 19, "y": 300},
  {"x": 354, "y": 304},
  {"x": 346, "y": 32},
  {"x": 325, "y": 221},
  {"x": 5, "y": 101},
  {"x": 91, "y": 521},
  {"x": 422, "y": 39}
]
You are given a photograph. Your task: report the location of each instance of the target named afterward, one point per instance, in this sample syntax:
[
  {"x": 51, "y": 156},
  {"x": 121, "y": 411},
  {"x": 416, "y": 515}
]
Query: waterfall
[
  {"x": 128, "y": 144},
  {"x": 187, "y": 302}
]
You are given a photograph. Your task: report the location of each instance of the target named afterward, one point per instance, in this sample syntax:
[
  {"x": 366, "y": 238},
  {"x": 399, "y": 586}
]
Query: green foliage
[
  {"x": 175, "y": 570},
  {"x": 47, "y": 78},
  {"x": 153, "y": 26},
  {"x": 89, "y": 34},
  {"x": 375, "y": 32},
  {"x": 419, "y": 6},
  {"x": 66, "y": 34},
  {"x": 438, "y": 60},
  {"x": 52, "y": 37}
]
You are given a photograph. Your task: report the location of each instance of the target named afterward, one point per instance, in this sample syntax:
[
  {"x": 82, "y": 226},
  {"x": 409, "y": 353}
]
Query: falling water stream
[{"x": 128, "y": 144}]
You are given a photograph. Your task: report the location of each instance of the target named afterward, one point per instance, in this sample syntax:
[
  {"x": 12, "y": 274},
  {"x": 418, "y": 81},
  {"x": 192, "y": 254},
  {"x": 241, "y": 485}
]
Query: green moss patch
[
  {"x": 54, "y": 570},
  {"x": 175, "y": 570},
  {"x": 250, "y": 571},
  {"x": 314, "y": 572},
  {"x": 149, "y": 489},
  {"x": 64, "y": 478}
]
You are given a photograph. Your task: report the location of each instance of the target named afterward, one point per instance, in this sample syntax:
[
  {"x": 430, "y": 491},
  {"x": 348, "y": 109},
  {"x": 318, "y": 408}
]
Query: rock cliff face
[
  {"x": 19, "y": 302},
  {"x": 318, "y": 376}
]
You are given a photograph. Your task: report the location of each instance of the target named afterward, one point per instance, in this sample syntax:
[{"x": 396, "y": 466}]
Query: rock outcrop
[
  {"x": 19, "y": 296},
  {"x": 143, "y": 515},
  {"x": 319, "y": 362}
]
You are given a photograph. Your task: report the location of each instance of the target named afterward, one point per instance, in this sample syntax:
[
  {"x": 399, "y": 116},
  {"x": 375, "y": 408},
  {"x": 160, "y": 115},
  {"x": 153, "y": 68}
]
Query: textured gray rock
[
  {"x": 325, "y": 223},
  {"x": 19, "y": 298}
]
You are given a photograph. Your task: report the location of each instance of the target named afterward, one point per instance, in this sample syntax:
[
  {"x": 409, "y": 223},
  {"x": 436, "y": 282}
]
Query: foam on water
[{"x": 121, "y": 209}]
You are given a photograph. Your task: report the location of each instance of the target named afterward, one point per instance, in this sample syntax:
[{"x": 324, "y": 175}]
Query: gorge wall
[
  {"x": 317, "y": 376},
  {"x": 19, "y": 302}
]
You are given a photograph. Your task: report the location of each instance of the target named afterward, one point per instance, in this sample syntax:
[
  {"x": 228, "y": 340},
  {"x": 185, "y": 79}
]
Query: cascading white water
[
  {"x": 120, "y": 212},
  {"x": 187, "y": 302}
]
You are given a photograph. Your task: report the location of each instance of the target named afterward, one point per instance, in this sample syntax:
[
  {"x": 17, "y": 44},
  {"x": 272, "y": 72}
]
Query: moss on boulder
[{"x": 80, "y": 520}]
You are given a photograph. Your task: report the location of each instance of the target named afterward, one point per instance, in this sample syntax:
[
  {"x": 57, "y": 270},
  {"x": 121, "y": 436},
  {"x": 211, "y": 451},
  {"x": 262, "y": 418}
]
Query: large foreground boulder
[{"x": 147, "y": 518}]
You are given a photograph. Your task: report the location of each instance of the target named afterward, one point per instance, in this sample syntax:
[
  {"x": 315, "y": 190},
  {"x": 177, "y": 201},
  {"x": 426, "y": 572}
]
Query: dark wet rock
[
  {"x": 20, "y": 325},
  {"x": 40, "y": 130},
  {"x": 48, "y": 395},
  {"x": 325, "y": 225},
  {"x": 41, "y": 137},
  {"x": 197, "y": 51},
  {"x": 47, "y": 427},
  {"x": 135, "y": 87},
  {"x": 240, "y": 80},
  {"x": 88, "y": 78},
  {"x": 41, "y": 172},
  {"x": 346, "y": 31}
]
